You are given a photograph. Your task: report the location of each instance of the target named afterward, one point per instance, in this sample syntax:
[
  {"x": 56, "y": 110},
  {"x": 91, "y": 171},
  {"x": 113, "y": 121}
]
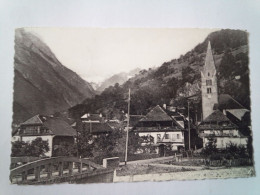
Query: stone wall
[{"x": 111, "y": 162}]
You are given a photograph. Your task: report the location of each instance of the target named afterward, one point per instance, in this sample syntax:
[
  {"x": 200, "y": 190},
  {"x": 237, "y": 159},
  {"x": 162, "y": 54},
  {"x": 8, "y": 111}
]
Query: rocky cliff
[{"x": 41, "y": 83}]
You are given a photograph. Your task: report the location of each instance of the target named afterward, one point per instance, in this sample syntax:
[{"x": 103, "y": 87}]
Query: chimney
[{"x": 164, "y": 106}]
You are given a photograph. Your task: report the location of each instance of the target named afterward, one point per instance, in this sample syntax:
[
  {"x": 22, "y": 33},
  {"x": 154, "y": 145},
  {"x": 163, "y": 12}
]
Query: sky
[{"x": 98, "y": 53}]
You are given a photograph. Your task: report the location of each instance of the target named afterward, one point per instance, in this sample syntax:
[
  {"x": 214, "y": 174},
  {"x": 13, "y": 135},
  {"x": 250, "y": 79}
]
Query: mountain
[
  {"x": 119, "y": 78},
  {"x": 171, "y": 82},
  {"x": 42, "y": 85}
]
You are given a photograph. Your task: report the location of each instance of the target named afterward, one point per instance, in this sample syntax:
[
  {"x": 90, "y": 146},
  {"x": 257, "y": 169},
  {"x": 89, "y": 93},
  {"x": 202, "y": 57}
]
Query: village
[{"x": 166, "y": 140}]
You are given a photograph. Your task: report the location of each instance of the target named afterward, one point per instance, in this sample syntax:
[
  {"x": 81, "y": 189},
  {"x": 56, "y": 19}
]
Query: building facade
[
  {"x": 51, "y": 129},
  {"x": 166, "y": 127},
  {"x": 222, "y": 114}
]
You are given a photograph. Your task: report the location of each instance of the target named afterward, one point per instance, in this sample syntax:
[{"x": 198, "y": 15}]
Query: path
[{"x": 147, "y": 161}]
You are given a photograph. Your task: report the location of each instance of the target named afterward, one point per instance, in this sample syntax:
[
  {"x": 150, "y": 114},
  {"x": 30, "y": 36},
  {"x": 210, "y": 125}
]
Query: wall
[
  {"x": 234, "y": 132},
  {"x": 111, "y": 162},
  {"x": 208, "y": 100},
  {"x": 172, "y": 137}
]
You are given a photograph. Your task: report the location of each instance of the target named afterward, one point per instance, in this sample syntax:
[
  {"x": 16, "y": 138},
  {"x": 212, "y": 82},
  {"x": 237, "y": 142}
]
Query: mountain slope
[
  {"x": 180, "y": 78},
  {"x": 41, "y": 83},
  {"x": 119, "y": 78}
]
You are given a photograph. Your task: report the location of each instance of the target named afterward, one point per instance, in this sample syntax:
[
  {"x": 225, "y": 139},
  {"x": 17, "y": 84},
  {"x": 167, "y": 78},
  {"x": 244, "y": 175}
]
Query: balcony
[{"x": 154, "y": 129}]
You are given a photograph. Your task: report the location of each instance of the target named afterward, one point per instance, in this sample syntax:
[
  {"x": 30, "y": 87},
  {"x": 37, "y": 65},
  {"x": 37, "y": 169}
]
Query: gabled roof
[
  {"x": 216, "y": 116},
  {"x": 59, "y": 127},
  {"x": 37, "y": 119},
  {"x": 157, "y": 114},
  {"x": 215, "y": 121},
  {"x": 225, "y": 101}
]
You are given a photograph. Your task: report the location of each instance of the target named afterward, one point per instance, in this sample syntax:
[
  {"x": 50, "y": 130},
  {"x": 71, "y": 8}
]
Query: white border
[{"x": 235, "y": 14}]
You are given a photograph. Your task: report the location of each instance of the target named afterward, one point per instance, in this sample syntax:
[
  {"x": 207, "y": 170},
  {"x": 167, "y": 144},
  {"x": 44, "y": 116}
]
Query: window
[
  {"x": 178, "y": 136},
  {"x": 208, "y": 90},
  {"x": 208, "y": 82},
  {"x": 208, "y": 74},
  {"x": 167, "y": 136}
]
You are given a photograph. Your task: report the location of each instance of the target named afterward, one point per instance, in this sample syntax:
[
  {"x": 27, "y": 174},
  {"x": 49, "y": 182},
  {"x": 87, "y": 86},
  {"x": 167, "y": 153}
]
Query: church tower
[{"x": 209, "y": 91}]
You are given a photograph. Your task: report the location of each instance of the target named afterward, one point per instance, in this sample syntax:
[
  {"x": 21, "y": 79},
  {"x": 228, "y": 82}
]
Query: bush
[
  {"x": 37, "y": 147},
  {"x": 211, "y": 148},
  {"x": 216, "y": 156},
  {"x": 65, "y": 149}
]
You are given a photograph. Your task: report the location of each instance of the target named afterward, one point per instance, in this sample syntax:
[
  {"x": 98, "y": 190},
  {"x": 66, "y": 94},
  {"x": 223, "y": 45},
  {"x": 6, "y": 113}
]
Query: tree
[
  {"x": 36, "y": 148},
  {"x": 84, "y": 140},
  {"x": 105, "y": 144},
  {"x": 39, "y": 147},
  {"x": 20, "y": 148},
  {"x": 65, "y": 149}
]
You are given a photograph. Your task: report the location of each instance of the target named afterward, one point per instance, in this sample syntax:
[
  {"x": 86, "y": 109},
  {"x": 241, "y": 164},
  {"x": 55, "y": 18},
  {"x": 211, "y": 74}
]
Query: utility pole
[
  {"x": 127, "y": 127},
  {"x": 189, "y": 122}
]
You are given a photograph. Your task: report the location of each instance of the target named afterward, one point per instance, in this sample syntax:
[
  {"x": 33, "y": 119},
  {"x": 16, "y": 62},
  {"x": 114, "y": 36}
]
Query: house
[
  {"x": 95, "y": 124},
  {"x": 219, "y": 129},
  {"x": 49, "y": 128},
  {"x": 224, "y": 118},
  {"x": 165, "y": 126}
]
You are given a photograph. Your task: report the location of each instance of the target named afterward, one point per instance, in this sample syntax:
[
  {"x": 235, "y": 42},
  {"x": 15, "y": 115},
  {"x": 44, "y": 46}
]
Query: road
[{"x": 235, "y": 172}]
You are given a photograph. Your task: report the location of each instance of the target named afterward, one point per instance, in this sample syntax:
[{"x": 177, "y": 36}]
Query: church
[{"x": 224, "y": 120}]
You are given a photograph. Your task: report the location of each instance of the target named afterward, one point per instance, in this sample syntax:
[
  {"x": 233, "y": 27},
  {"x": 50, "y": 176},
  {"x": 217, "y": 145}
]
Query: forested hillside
[{"x": 179, "y": 78}]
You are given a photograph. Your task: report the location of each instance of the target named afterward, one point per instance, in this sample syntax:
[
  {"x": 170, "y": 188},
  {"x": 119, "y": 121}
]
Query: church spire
[
  {"x": 209, "y": 66},
  {"x": 209, "y": 89}
]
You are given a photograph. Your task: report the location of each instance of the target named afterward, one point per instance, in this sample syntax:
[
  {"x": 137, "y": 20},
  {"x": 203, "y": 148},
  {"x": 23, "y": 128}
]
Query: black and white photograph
[{"x": 111, "y": 105}]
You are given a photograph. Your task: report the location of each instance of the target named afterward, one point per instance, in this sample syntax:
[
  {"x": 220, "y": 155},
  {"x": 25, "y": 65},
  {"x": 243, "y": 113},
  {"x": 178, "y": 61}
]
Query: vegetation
[
  {"x": 36, "y": 148},
  {"x": 232, "y": 151},
  {"x": 178, "y": 76}
]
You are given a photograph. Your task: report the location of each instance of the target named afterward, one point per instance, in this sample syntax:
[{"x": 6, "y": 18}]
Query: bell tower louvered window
[{"x": 208, "y": 82}]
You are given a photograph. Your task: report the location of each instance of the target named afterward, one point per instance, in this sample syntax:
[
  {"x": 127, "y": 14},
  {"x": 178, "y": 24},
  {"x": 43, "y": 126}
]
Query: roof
[
  {"x": 209, "y": 66},
  {"x": 238, "y": 113},
  {"x": 37, "y": 119},
  {"x": 92, "y": 117},
  {"x": 56, "y": 125},
  {"x": 216, "y": 116},
  {"x": 157, "y": 114},
  {"x": 59, "y": 127},
  {"x": 225, "y": 101},
  {"x": 97, "y": 127},
  {"x": 215, "y": 121}
]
